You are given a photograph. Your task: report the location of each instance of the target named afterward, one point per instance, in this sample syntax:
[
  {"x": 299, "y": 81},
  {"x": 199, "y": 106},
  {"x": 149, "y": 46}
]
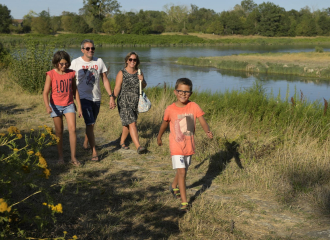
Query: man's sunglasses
[
  {"x": 88, "y": 48},
  {"x": 132, "y": 59}
]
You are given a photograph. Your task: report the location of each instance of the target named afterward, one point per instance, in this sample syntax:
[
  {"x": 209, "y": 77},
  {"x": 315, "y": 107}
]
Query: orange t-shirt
[
  {"x": 182, "y": 127},
  {"x": 61, "y": 85}
]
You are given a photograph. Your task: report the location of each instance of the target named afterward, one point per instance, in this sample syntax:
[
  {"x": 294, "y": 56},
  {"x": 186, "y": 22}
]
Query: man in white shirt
[{"x": 89, "y": 71}]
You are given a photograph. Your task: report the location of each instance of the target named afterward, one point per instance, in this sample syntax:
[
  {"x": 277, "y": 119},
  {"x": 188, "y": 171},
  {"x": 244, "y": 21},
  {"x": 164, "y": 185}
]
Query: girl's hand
[
  {"x": 209, "y": 134},
  {"x": 79, "y": 113},
  {"x": 49, "y": 109}
]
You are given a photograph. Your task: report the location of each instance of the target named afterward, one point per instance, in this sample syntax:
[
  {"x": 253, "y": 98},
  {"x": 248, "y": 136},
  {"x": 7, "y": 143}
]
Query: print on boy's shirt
[
  {"x": 184, "y": 126},
  {"x": 89, "y": 76},
  {"x": 64, "y": 85}
]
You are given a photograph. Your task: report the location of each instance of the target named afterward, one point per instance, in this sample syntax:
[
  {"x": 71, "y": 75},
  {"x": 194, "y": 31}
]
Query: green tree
[
  {"x": 109, "y": 25},
  {"x": 27, "y": 21},
  {"x": 41, "y": 24},
  {"x": 94, "y": 11},
  {"x": 67, "y": 21},
  {"x": 5, "y": 19},
  {"x": 248, "y": 6},
  {"x": 79, "y": 25},
  {"x": 270, "y": 19},
  {"x": 56, "y": 24},
  {"x": 177, "y": 15}
]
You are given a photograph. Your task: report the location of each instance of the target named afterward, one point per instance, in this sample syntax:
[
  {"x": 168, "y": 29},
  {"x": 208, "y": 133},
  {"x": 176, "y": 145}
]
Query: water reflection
[{"x": 158, "y": 65}]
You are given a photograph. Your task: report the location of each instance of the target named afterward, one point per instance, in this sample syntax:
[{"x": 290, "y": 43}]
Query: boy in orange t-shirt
[{"x": 181, "y": 116}]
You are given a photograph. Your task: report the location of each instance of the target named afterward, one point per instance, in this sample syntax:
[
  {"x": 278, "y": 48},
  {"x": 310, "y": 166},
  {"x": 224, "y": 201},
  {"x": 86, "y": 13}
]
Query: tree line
[{"x": 104, "y": 16}]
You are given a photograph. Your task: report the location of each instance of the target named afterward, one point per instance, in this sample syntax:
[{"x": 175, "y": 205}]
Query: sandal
[
  {"x": 184, "y": 206},
  {"x": 175, "y": 192},
  {"x": 141, "y": 150},
  {"x": 95, "y": 159},
  {"x": 123, "y": 146},
  {"x": 76, "y": 163}
]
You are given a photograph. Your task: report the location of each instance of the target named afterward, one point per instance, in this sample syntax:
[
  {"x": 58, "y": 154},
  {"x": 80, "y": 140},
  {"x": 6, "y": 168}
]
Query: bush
[
  {"x": 24, "y": 202},
  {"x": 319, "y": 49},
  {"x": 29, "y": 65}
]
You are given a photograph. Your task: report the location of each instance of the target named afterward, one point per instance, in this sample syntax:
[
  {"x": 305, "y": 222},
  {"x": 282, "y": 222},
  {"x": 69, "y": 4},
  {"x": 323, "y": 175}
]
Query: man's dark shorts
[{"x": 90, "y": 110}]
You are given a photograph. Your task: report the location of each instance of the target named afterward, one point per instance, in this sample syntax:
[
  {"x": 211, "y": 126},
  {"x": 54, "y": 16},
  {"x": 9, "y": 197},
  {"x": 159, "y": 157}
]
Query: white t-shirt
[{"x": 88, "y": 76}]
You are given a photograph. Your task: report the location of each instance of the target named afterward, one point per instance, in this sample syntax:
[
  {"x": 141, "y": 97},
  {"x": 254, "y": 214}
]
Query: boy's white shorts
[{"x": 180, "y": 161}]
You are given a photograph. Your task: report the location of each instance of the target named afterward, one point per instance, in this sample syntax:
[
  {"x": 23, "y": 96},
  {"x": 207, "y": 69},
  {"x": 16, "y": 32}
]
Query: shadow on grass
[
  {"x": 117, "y": 206},
  {"x": 217, "y": 164}
]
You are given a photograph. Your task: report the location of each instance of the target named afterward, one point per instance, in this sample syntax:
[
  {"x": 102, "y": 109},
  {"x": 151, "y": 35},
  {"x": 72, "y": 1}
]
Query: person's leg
[
  {"x": 134, "y": 134},
  {"x": 91, "y": 140},
  {"x": 71, "y": 121},
  {"x": 58, "y": 122},
  {"x": 85, "y": 144},
  {"x": 124, "y": 135},
  {"x": 181, "y": 177}
]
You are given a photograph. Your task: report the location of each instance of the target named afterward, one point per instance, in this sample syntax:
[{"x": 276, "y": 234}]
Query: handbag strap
[{"x": 140, "y": 82}]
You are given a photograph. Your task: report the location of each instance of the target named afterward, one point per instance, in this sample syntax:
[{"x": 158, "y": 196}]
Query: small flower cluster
[
  {"x": 57, "y": 208},
  {"x": 4, "y": 206}
]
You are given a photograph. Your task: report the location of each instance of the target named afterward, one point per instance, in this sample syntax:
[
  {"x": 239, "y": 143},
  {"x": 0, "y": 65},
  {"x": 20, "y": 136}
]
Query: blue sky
[{"x": 21, "y": 7}]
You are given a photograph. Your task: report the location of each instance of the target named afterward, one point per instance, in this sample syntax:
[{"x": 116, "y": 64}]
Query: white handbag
[{"x": 144, "y": 102}]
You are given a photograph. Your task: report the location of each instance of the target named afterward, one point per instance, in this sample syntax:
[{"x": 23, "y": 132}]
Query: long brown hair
[{"x": 137, "y": 59}]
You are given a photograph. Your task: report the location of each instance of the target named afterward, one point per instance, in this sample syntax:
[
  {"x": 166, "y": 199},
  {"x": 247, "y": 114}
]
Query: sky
[{"x": 19, "y": 8}]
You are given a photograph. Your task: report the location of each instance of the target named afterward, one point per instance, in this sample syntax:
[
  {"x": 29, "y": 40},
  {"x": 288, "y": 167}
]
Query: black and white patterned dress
[{"x": 128, "y": 98}]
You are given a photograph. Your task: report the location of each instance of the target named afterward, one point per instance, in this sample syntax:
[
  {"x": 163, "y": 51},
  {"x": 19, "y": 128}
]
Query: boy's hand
[
  {"x": 209, "y": 134},
  {"x": 159, "y": 142}
]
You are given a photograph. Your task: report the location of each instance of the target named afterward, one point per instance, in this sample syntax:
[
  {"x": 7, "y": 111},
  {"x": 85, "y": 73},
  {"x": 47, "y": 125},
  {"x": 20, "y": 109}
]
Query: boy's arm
[
  {"x": 162, "y": 129},
  {"x": 205, "y": 127}
]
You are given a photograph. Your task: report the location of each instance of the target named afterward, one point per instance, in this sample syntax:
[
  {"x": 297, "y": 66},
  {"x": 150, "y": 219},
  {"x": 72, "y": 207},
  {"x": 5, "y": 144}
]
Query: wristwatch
[{"x": 110, "y": 95}]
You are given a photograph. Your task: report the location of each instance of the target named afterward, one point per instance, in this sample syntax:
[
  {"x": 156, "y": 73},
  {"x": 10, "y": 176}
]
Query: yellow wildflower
[
  {"x": 19, "y": 136},
  {"x": 42, "y": 162},
  {"x": 43, "y": 135},
  {"x": 2, "y": 134},
  {"x": 4, "y": 206},
  {"x": 45, "y": 204},
  {"x": 13, "y": 129},
  {"x": 39, "y": 126},
  {"x": 74, "y": 237},
  {"x": 58, "y": 208},
  {"x": 32, "y": 130},
  {"x": 30, "y": 152},
  {"x": 45, "y": 126},
  {"x": 65, "y": 232},
  {"x": 49, "y": 130},
  {"x": 38, "y": 154},
  {"x": 15, "y": 150},
  {"x": 46, "y": 172}
]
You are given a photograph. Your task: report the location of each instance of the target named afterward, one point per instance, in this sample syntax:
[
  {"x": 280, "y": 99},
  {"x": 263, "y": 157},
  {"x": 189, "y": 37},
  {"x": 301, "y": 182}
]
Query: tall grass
[{"x": 29, "y": 65}]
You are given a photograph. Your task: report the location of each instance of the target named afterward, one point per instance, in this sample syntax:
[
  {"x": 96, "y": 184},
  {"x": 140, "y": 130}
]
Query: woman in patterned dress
[{"x": 127, "y": 93}]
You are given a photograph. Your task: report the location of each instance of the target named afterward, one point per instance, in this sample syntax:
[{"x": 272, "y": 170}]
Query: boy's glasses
[
  {"x": 132, "y": 59},
  {"x": 184, "y": 92},
  {"x": 62, "y": 64},
  {"x": 88, "y": 48}
]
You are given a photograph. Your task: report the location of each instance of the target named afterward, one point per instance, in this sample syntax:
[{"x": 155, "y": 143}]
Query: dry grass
[
  {"x": 311, "y": 59},
  {"x": 255, "y": 184}
]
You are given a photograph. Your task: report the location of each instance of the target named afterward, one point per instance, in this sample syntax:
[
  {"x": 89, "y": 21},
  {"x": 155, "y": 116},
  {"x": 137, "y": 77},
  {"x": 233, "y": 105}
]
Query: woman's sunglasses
[
  {"x": 132, "y": 59},
  {"x": 88, "y": 48}
]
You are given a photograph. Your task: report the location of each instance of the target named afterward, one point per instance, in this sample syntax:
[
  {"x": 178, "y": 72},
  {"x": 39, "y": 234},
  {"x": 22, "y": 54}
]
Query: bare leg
[
  {"x": 58, "y": 122},
  {"x": 85, "y": 144},
  {"x": 71, "y": 121},
  {"x": 134, "y": 134},
  {"x": 91, "y": 139},
  {"x": 181, "y": 178},
  {"x": 124, "y": 135}
]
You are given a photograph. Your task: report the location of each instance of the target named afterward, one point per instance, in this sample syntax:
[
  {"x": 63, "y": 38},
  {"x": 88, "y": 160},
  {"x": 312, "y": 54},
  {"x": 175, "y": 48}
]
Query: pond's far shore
[{"x": 308, "y": 64}]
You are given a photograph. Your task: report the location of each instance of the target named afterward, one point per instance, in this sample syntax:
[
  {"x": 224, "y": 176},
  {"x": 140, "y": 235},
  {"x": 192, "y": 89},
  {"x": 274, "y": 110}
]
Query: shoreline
[{"x": 305, "y": 64}]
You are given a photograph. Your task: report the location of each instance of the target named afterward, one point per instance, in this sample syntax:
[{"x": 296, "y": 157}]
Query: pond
[{"x": 159, "y": 66}]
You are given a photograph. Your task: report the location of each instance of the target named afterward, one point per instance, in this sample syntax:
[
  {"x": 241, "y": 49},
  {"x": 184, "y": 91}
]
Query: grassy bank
[
  {"x": 309, "y": 64},
  {"x": 168, "y": 39},
  {"x": 266, "y": 152}
]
